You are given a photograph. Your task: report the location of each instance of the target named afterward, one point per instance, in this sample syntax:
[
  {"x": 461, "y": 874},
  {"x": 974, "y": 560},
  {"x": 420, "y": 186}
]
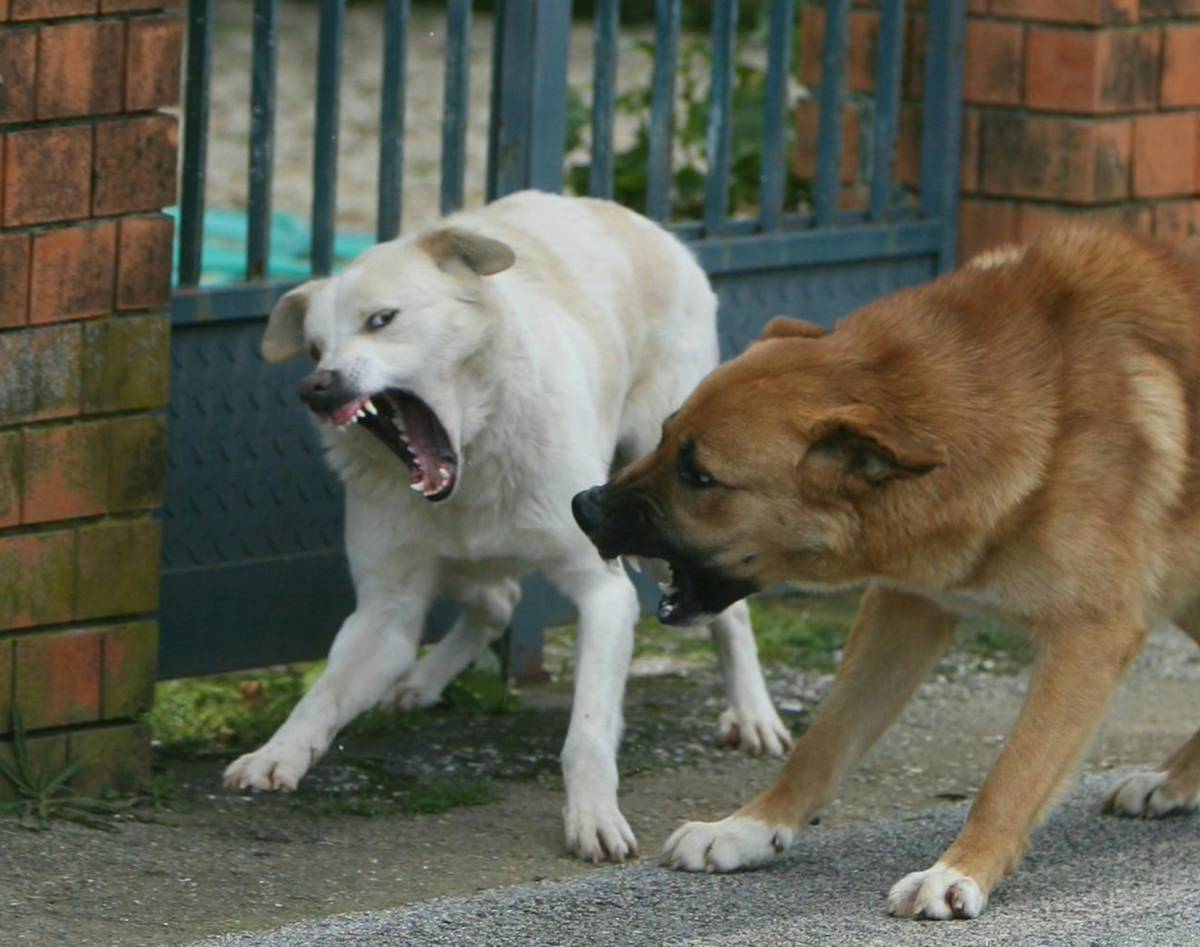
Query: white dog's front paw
[
  {"x": 756, "y": 731},
  {"x": 274, "y": 766},
  {"x": 937, "y": 894},
  {"x": 596, "y": 831},
  {"x": 412, "y": 694},
  {"x": 1144, "y": 794},
  {"x": 732, "y": 844}
]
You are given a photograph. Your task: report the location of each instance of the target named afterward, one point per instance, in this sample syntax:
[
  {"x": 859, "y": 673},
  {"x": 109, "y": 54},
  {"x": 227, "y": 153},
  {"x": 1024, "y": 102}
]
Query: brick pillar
[
  {"x": 1080, "y": 107},
  {"x": 86, "y": 164}
]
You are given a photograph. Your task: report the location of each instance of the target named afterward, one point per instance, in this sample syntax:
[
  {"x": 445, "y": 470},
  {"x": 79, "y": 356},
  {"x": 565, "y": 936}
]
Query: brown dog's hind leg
[
  {"x": 1076, "y": 671},
  {"x": 895, "y": 641},
  {"x": 1173, "y": 788}
]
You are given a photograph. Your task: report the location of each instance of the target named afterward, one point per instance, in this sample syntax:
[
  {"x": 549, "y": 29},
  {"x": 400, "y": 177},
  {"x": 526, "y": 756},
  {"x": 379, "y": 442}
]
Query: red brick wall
[
  {"x": 86, "y": 164},
  {"x": 1071, "y": 106},
  {"x": 1080, "y": 107}
]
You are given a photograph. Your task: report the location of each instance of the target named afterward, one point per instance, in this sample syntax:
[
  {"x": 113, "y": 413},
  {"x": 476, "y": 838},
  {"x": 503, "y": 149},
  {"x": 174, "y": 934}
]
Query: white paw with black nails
[
  {"x": 1145, "y": 795},
  {"x": 734, "y": 843},
  {"x": 936, "y": 894},
  {"x": 276, "y": 766},
  {"x": 596, "y": 831}
]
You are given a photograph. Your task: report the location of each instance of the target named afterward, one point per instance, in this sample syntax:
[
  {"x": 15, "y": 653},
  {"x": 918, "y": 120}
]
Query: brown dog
[{"x": 1019, "y": 438}]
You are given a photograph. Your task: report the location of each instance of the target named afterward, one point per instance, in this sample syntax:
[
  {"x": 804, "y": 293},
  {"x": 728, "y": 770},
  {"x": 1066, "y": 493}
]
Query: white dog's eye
[{"x": 381, "y": 318}]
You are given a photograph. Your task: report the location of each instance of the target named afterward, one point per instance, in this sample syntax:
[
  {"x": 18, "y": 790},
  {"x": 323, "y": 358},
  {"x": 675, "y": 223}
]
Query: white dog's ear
[
  {"x": 478, "y": 253},
  {"x": 284, "y": 335}
]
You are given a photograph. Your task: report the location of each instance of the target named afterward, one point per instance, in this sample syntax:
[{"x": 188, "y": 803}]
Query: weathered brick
[
  {"x": 79, "y": 68},
  {"x": 6, "y": 689},
  {"x": 144, "y": 263},
  {"x": 1094, "y": 71},
  {"x": 18, "y": 68},
  {"x": 912, "y": 77},
  {"x": 37, "y": 578},
  {"x": 155, "y": 49},
  {"x": 1077, "y": 160},
  {"x": 57, "y": 679},
  {"x": 14, "y": 286},
  {"x": 49, "y": 9},
  {"x": 130, "y": 663},
  {"x": 127, "y": 363},
  {"x": 137, "y": 464},
  {"x": 1093, "y": 12},
  {"x": 985, "y": 224},
  {"x": 135, "y": 164},
  {"x": 993, "y": 62},
  {"x": 40, "y": 373},
  {"x": 908, "y": 145},
  {"x": 1036, "y": 217},
  {"x": 969, "y": 168},
  {"x": 116, "y": 758},
  {"x": 1176, "y": 221},
  {"x": 804, "y": 158},
  {"x": 47, "y": 757},
  {"x": 1165, "y": 154},
  {"x": 47, "y": 175},
  {"x": 65, "y": 472},
  {"x": 1180, "y": 66},
  {"x": 125, "y": 6},
  {"x": 10, "y": 478},
  {"x": 118, "y": 568},
  {"x": 1169, "y": 9},
  {"x": 73, "y": 272}
]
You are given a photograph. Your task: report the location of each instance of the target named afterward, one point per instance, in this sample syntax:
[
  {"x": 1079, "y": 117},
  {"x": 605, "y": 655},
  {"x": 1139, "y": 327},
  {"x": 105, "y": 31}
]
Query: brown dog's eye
[
  {"x": 314, "y": 352},
  {"x": 689, "y": 472}
]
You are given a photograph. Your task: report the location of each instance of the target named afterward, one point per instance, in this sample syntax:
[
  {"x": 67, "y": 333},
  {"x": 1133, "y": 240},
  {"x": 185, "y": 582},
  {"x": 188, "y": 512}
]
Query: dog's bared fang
[{"x": 1018, "y": 438}]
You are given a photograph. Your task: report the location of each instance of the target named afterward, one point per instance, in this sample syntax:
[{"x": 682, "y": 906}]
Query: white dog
[{"x": 470, "y": 381}]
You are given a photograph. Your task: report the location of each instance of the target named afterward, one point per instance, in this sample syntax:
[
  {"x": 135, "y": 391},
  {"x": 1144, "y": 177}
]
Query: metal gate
[{"x": 253, "y": 570}]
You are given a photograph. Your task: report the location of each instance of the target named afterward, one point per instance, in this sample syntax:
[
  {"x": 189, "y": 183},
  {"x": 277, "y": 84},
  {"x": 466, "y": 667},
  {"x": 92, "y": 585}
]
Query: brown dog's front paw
[{"x": 936, "y": 894}]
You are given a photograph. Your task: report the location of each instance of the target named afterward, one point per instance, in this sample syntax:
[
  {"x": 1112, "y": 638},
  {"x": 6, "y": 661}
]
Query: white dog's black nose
[{"x": 325, "y": 390}]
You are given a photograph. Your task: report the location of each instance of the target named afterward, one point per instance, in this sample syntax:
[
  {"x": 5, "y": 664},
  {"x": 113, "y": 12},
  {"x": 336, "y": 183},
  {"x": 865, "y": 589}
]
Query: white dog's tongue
[{"x": 431, "y": 473}]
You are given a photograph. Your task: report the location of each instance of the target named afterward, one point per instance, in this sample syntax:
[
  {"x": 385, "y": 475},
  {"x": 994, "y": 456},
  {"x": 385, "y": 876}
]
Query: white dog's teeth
[
  {"x": 634, "y": 563},
  {"x": 416, "y": 488},
  {"x": 370, "y": 406},
  {"x": 361, "y": 414}
]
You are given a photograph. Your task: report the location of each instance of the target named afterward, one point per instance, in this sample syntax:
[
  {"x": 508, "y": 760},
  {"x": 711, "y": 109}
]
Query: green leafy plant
[
  {"x": 43, "y": 796},
  {"x": 690, "y": 162}
]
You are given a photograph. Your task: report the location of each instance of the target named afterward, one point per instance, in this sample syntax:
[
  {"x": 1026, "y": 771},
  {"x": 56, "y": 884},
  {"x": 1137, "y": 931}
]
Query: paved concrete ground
[{"x": 1088, "y": 880}]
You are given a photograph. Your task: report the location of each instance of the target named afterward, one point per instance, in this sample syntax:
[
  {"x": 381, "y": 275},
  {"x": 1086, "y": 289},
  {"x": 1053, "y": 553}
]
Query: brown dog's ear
[
  {"x": 784, "y": 327},
  {"x": 284, "y": 336},
  {"x": 478, "y": 253},
  {"x": 869, "y": 445}
]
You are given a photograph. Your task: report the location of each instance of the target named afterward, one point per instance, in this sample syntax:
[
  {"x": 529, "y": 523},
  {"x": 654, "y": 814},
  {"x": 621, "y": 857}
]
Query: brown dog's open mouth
[
  {"x": 411, "y": 429},
  {"x": 695, "y": 593}
]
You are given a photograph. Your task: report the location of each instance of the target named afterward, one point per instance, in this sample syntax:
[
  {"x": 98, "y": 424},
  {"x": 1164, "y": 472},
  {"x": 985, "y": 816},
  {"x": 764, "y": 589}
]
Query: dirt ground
[{"x": 240, "y": 863}]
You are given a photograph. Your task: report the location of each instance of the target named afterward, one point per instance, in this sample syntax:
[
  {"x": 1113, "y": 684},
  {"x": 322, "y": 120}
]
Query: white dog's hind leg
[
  {"x": 486, "y": 614},
  {"x": 374, "y": 646},
  {"x": 750, "y": 721},
  {"x": 608, "y": 607}
]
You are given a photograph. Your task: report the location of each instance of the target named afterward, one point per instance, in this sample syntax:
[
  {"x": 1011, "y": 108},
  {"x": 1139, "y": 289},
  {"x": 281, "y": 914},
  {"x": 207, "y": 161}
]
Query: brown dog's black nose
[
  {"x": 324, "y": 390},
  {"x": 586, "y": 506}
]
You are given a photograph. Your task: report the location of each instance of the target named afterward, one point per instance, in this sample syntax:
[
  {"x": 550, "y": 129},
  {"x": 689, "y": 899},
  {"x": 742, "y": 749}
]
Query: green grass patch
[{"x": 235, "y": 713}]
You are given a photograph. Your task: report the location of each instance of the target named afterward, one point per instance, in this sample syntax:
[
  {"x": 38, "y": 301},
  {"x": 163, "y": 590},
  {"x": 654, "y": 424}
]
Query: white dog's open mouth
[{"x": 408, "y": 426}]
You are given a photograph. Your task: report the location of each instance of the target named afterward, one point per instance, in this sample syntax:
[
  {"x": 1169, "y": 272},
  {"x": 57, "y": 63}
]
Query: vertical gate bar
[
  {"x": 604, "y": 84},
  {"x": 662, "y": 108},
  {"x": 454, "y": 109},
  {"x": 941, "y": 136},
  {"x": 774, "y": 148},
  {"x": 833, "y": 97},
  {"x": 887, "y": 105},
  {"x": 390, "y": 198},
  {"x": 195, "y": 141},
  {"x": 548, "y": 89},
  {"x": 720, "y": 117},
  {"x": 329, "y": 73},
  {"x": 262, "y": 139}
]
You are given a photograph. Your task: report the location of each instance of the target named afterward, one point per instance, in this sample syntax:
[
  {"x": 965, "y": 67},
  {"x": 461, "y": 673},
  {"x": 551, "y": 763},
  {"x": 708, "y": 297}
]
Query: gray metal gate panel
[{"x": 253, "y": 570}]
